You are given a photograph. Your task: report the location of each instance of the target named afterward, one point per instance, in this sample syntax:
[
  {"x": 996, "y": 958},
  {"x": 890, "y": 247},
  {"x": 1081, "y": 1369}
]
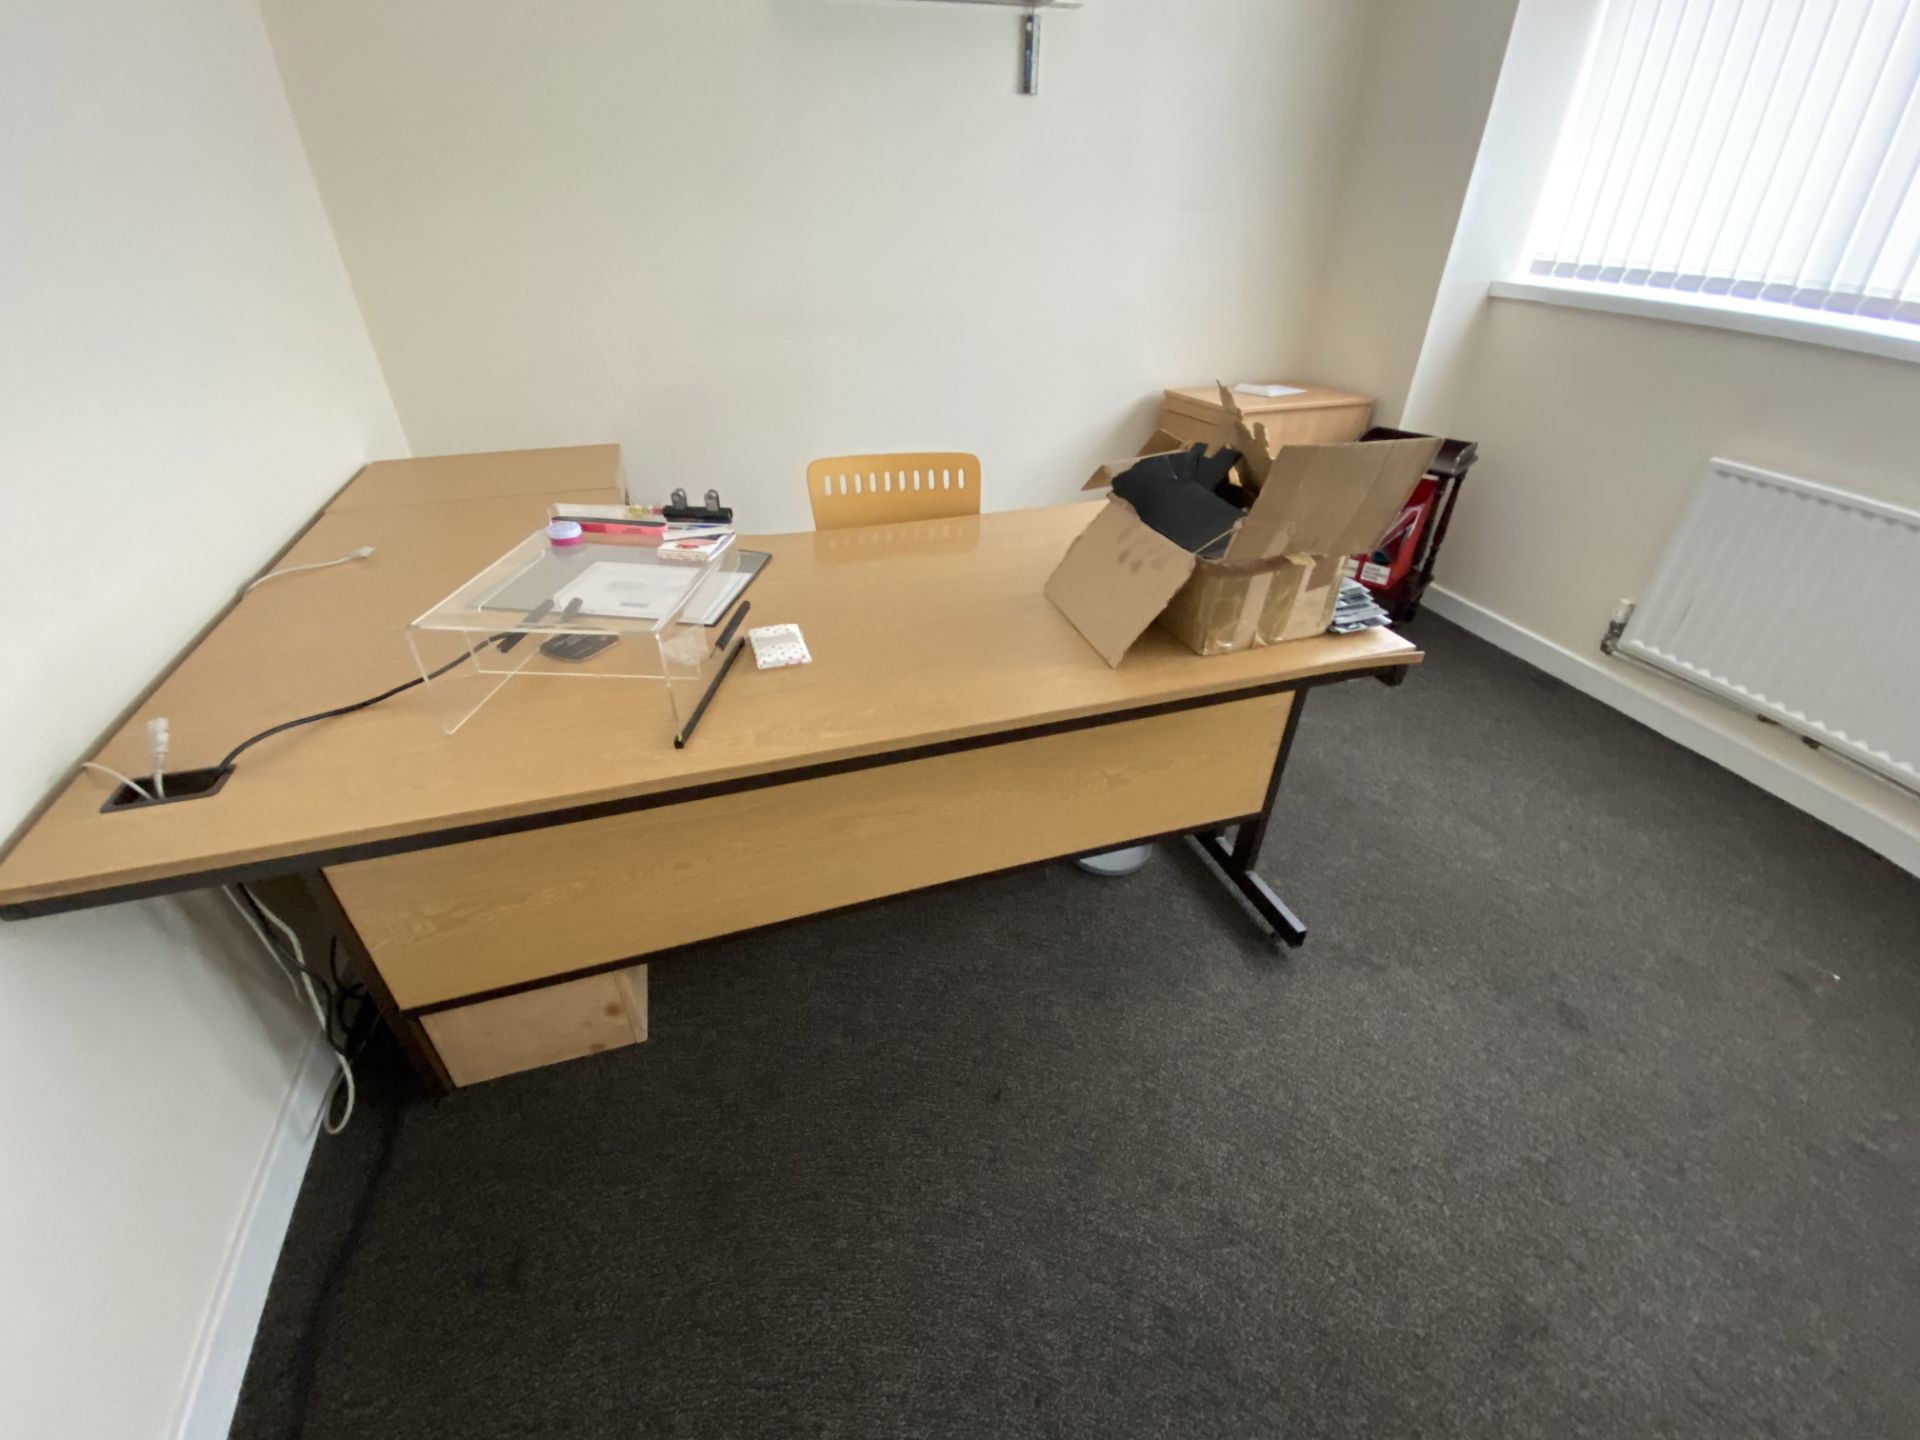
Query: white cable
[
  {"x": 351, "y": 555},
  {"x": 133, "y": 785},
  {"x": 157, "y": 740},
  {"x": 313, "y": 999},
  {"x": 279, "y": 960}
]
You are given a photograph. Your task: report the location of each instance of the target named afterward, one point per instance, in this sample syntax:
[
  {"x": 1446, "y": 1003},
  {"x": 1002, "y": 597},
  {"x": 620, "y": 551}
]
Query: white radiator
[{"x": 1799, "y": 603}]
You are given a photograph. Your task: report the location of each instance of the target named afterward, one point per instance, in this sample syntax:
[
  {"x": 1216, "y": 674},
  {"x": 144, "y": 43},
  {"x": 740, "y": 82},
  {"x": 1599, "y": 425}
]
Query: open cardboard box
[{"x": 1267, "y": 569}]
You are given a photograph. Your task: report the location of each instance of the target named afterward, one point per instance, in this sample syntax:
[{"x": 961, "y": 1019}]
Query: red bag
[{"x": 1393, "y": 557}]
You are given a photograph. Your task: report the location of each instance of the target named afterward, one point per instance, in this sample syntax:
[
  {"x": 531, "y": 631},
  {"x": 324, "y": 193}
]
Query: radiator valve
[{"x": 1616, "y": 627}]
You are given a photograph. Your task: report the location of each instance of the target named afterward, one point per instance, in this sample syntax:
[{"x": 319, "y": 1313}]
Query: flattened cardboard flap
[
  {"x": 1116, "y": 578},
  {"x": 1330, "y": 499}
]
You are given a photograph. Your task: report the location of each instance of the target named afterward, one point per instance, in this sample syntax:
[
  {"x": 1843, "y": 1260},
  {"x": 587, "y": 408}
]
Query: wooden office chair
[{"x": 852, "y": 490}]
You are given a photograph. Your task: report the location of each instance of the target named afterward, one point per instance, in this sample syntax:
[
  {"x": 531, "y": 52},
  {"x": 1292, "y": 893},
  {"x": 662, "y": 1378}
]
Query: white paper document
[
  {"x": 647, "y": 592},
  {"x": 1269, "y": 392},
  {"x": 631, "y": 592}
]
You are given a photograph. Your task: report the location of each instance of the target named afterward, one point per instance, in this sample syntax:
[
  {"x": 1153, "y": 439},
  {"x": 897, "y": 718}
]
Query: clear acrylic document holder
[{"x": 599, "y": 610}]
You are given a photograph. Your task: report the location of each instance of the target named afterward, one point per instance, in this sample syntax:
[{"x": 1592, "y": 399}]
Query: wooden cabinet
[{"x": 1315, "y": 416}]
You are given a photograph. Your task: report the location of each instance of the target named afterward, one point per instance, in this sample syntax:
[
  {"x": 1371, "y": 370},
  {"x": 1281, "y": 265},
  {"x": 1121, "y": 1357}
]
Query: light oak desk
[{"x": 952, "y": 724}]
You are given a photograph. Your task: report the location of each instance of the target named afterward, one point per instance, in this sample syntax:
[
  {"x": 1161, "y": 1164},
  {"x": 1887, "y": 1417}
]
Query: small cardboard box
[
  {"x": 1225, "y": 607},
  {"x": 1272, "y": 574}
]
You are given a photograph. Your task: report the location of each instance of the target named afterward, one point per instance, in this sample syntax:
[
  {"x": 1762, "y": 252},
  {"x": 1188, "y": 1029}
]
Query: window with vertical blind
[{"x": 1758, "y": 151}]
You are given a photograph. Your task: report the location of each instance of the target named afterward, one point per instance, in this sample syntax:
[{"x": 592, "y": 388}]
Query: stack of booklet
[{"x": 1356, "y": 610}]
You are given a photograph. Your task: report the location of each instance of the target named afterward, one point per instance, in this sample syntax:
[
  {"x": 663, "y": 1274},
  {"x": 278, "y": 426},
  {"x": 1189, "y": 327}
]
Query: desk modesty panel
[{"x": 466, "y": 919}]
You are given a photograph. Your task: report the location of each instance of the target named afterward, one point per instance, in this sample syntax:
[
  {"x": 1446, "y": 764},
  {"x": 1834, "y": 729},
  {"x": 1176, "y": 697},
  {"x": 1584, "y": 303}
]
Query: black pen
[
  {"x": 533, "y": 617},
  {"x": 732, "y": 625},
  {"x": 706, "y": 696}
]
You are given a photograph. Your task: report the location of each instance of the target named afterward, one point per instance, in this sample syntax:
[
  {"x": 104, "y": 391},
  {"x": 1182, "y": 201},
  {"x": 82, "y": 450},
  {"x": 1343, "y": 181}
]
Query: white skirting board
[
  {"x": 213, "y": 1387},
  {"x": 1598, "y": 677}
]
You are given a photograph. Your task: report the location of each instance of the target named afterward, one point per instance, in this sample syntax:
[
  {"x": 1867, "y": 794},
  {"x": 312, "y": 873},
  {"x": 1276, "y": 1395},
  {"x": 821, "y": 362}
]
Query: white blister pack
[{"x": 777, "y": 645}]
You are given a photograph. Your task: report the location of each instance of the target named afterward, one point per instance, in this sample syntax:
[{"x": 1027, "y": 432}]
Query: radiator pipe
[{"x": 1616, "y": 627}]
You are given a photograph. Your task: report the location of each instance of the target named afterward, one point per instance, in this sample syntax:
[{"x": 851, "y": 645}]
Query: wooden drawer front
[
  {"x": 469, "y": 918},
  {"x": 563, "y": 1021}
]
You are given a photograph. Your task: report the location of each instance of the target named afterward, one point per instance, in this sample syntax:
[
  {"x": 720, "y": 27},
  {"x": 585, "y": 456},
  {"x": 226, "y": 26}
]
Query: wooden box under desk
[
  {"x": 468, "y": 919},
  {"x": 563, "y": 1021}
]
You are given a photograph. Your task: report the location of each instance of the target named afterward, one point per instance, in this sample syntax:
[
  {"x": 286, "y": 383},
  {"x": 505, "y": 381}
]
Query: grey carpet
[{"x": 1589, "y": 1109}]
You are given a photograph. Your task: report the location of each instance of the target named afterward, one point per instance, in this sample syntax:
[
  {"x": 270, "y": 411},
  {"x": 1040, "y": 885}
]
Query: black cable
[
  {"x": 337, "y": 1004},
  {"x": 331, "y": 986},
  {"x": 252, "y": 740},
  {"x": 347, "y": 992},
  {"x": 333, "y": 968},
  {"x": 347, "y": 1044}
]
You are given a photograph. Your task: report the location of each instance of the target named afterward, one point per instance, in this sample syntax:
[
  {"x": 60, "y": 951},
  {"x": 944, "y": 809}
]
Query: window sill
[{"x": 1889, "y": 340}]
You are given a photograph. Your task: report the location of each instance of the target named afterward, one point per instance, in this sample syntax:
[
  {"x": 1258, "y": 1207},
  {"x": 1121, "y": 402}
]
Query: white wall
[
  {"x": 184, "y": 377},
  {"x": 1547, "y": 46},
  {"x": 1592, "y": 429},
  {"x": 739, "y": 234},
  {"x": 1429, "y": 73},
  {"x": 147, "y": 1055}
]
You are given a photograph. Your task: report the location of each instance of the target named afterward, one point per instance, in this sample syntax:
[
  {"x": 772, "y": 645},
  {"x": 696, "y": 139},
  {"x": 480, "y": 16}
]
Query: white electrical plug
[{"x": 157, "y": 738}]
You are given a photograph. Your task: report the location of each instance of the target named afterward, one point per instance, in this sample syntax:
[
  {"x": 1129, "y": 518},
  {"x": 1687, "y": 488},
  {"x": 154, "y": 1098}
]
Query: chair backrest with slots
[{"x": 851, "y": 490}]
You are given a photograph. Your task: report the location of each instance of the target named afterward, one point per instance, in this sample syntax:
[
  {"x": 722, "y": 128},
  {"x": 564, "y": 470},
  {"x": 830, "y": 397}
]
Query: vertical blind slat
[
  {"x": 1863, "y": 147},
  {"x": 1634, "y": 173},
  {"x": 1706, "y": 159},
  {"x": 1784, "y": 235},
  {"x": 1764, "y": 149},
  {"x": 1683, "y": 122}
]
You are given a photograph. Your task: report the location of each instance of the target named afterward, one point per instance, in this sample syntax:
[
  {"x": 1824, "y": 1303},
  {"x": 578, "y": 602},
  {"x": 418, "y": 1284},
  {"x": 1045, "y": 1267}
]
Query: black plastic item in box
[{"x": 1174, "y": 494}]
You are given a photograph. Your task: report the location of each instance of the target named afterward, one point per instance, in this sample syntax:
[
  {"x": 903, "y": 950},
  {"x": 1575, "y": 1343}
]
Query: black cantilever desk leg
[{"x": 1236, "y": 865}]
